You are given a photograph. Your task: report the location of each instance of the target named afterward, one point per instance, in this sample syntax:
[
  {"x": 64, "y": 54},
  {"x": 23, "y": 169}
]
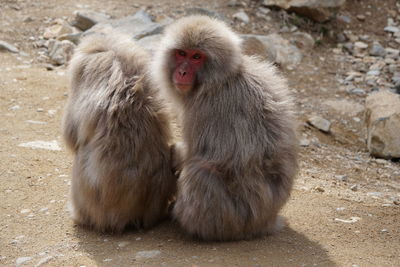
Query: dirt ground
[{"x": 329, "y": 223}]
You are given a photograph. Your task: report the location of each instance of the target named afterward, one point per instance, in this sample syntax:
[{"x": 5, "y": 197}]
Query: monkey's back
[
  {"x": 119, "y": 133},
  {"x": 243, "y": 156}
]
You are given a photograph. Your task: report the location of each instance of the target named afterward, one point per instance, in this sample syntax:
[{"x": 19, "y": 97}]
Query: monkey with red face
[{"x": 240, "y": 147}]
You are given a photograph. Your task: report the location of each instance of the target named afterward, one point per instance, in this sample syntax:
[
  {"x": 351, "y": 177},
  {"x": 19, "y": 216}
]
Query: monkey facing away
[
  {"x": 119, "y": 134},
  {"x": 240, "y": 145}
]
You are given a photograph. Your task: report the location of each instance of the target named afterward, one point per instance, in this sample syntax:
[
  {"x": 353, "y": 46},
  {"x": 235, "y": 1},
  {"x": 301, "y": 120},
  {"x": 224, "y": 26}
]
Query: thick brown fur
[
  {"x": 119, "y": 133},
  {"x": 240, "y": 154}
]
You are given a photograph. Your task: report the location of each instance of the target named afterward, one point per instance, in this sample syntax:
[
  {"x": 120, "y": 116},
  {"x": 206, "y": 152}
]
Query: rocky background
[{"x": 343, "y": 65}]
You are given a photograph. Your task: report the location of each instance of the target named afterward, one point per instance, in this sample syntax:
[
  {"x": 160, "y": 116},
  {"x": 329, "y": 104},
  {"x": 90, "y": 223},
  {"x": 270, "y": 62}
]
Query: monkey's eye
[
  {"x": 182, "y": 53},
  {"x": 196, "y": 56}
]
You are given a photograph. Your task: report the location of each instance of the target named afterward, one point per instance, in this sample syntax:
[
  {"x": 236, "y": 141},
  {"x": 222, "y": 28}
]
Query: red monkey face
[{"x": 188, "y": 63}]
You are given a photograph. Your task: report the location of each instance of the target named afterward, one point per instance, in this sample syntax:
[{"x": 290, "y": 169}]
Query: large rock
[
  {"x": 204, "y": 11},
  {"x": 279, "y": 49},
  {"x": 60, "y": 27},
  {"x": 86, "y": 19},
  {"x": 137, "y": 26},
  {"x": 320, "y": 123},
  {"x": 150, "y": 43},
  {"x": 383, "y": 124},
  {"x": 318, "y": 10}
]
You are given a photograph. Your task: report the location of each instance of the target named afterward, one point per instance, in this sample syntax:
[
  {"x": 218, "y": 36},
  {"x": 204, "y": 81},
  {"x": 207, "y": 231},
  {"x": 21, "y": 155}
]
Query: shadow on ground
[{"x": 166, "y": 246}]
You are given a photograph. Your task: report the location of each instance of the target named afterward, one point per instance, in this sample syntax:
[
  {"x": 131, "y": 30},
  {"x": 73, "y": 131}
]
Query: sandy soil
[{"x": 329, "y": 224}]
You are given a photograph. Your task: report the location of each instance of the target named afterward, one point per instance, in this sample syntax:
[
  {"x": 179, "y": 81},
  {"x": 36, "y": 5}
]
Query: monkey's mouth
[{"x": 183, "y": 87}]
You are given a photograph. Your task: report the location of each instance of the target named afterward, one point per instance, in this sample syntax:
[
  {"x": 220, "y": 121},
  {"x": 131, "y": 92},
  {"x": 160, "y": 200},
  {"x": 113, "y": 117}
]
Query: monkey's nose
[{"x": 182, "y": 73}]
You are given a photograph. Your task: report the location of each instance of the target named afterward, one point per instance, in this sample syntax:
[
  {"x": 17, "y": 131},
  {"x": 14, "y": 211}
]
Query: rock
[
  {"x": 357, "y": 91},
  {"x": 48, "y": 145},
  {"x": 16, "y": 107},
  {"x": 22, "y": 260},
  {"x": 392, "y": 53},
  {"x": 319, "y": 189},
  {"x": 86, "y": 19},
  {"x": 264, "y": 10},
  {"x": 354, "y": 188},
  {"x": 206, "y": 12},
  {"x": 365, "y": 37},
  {"x": 303, "y": 40},
  {"x": 383, "y": 124},
  {"x": 379, "y": 65},
  {"x": 320, "y": 123},
  {"x": 360, "y": 45},
  {"x": 44, "y": 261},
  {"x": 377, "y": 50},
  {"x": 72, "y": 37},
  {"x": 319, "y": 11},
  {"x": 150, "y": 43},
  {"x": 342, "y": 178},
  {"x": 375, "y": 195},
  {"x": 123, "y": 244},
  {"x": 343, "y": 18},
  {"x": 373, "y": 73},
  {"x": 36, "y": 122},
  {"x": 391, "y": 29},
  {"x": 60, "y": 28},
  {"x": 341, "y": 38},
  {"x": 137, "y": 26},
  {"x": 351, "y": 220},
  {"x": 361, "y": 17},
  {"x": 147, "y": 254},
  {"x": 351, "y": 36},
  {"x": 344, "y": 106},
  {"x": 279, "y": 49},
  {"x": 60, "y": 52},
  {"x": 304, "y": 142},
  {"x": 4, "y": 46},
  {"x": 348, "y": 47},
  {"x": 242, "y": 16}
]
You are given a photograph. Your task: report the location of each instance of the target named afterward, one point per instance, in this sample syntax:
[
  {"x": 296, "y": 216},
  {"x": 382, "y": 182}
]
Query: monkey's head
[{"x": 196, "y": 50}]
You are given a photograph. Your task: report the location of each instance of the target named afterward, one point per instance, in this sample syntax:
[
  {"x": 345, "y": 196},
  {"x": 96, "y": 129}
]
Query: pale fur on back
[
  {"x": 119, "y": 133},
  {"x": 240, "y": 154}
]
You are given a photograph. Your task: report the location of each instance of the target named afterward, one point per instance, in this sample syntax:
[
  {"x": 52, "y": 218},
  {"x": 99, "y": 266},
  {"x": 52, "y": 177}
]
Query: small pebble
[
  {"x": 147, "y": 254},
  {"x": 351, "y": 220},
  {"x": 361, "y": 17},
  {"x": 123, "y": 244},
  {"x": 360, "y": 45},
  {"x": 342, "y": 178},
  {"x": 319, "y": 189},
  {"x": 304, "y": 142},
  {"x": 16, "y": 107},
  {"x": 22, "y": 260}
]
